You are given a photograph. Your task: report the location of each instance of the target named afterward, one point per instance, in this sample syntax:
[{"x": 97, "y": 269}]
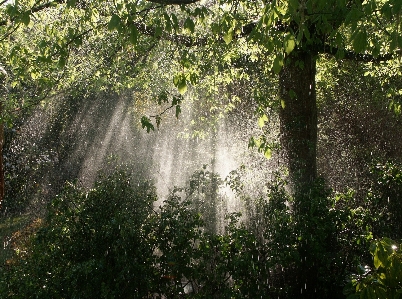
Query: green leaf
[
  {"x": 394, "y": 41},
  {"x": 175, "y": 21},
  {"x": 262, "y": 120},
  {"x": 360, "y": 41},
  {"x": 26, "y": 18},
  {"x": 182, "y": 86},
  {"x": 158, "y": 121},
  {"x": 158, "y": 31},
  {"x": 168, "y": 22},
  {"x": 189, "y": 25},
  {"x": 228, "y": 36},
  {"x": 370, "y": 293},
  {"x": 289, "y": 43},
  {"x": 383, "y": 257},
  {"x": 268, "y": 153},
  {"x": 292, "y": 94},
  {"x": 34, "y": 75},
  {"x": 278, "y": 63},
  {"x": 179, "y": 81},
  {"x": 114, "y": 22},
  {"x": 78, "y": 41},
  {"x": 162, "y": 98},
  {"x": 71, "y": 3},
  {"x": 193, "y": 78},
  {"x": 251, "y": 142},
  {"x": 146, "y": 123},
  {"x": 377, "y": 261},
  {"x": 178, "y": 110},
  {"x": 176, "y": 101},
  {"x": 133, "y": 35},
  {"x": 62, "y": 62}
]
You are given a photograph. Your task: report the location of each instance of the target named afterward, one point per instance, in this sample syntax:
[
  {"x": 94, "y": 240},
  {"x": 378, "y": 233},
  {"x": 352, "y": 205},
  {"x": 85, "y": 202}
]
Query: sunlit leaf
[
  {"x": 262, "y": 120},
  {"x": 289, "y": 43},
  {"x": 268, "y": 153},
  {"x": 227, "y": 37},
  {"x": 182, "y": 87},
  {"x": 278, "y": 63}
]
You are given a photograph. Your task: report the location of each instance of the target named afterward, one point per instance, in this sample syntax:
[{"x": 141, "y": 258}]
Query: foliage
[
  {"x": 89, "y": 239},
  {"x": 317, "y": 250},
  {"x": 384, "y": 281},
  {"x": 385, "y": 196},
  {"x": 203, "y": 191},
  {"x": 109, "y": 242}
]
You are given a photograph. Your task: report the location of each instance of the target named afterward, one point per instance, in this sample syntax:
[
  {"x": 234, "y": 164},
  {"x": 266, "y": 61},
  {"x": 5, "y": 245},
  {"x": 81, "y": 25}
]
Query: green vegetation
[
  {"x": 109, "y": 242},
  {"x": 384, "y": 280},
  {"x": 7, "y": 227}
]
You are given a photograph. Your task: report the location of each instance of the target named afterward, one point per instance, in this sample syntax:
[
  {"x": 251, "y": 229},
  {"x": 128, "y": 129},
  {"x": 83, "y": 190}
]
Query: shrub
[
  {"x": 95, "y": 244},
  {"x": 384, "y": 280}
]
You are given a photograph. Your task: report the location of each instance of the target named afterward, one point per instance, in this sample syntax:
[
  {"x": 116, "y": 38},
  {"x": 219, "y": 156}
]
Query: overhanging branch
[
  {"x": 356, "y": 56},
  {"x": 174, "y": 2},
  {"x": 35, "y": 9}
]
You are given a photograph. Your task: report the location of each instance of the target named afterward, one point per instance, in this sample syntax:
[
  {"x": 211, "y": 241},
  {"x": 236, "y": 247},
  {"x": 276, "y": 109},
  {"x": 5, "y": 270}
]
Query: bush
[
  {"x": 95, "y": 244},
  {"x": 108, "y": 242},
  {"x": 384, "y": 280}
]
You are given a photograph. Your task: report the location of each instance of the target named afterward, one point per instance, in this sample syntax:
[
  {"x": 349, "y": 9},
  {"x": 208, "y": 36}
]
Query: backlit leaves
[
  {"x": 179, "y": 81},
  {"x": 289, "y": 43},
  {"x": 278, "y": 63},
  {"x": 385, "y": 280},
  {"x": 262, "y": 120},
  {"x": 228, "y": 36}
]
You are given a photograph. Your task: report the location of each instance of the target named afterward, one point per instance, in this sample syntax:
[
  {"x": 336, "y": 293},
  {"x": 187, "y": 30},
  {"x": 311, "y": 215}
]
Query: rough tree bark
[
  {"x": 298, "y": 117},
  {"x": 3, "y": 92}
]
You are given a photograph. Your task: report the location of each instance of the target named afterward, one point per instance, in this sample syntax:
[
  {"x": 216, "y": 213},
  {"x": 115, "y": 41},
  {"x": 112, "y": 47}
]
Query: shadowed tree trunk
[
  {"x": 298, "y": 125},
  {"x": 298, "y": 118},
  {"x": 3, "y": 92}
]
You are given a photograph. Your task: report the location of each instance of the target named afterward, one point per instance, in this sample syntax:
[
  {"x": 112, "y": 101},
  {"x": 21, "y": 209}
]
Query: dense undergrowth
[{"x": 111, "y": 242}]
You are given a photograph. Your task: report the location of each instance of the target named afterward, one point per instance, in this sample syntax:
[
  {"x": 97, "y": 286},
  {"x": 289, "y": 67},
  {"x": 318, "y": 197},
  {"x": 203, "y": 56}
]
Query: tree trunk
[
  {"x": 3, "y": 93},
  {"x": 298, "y": 118},
  {"x": 1, "y": 158}
]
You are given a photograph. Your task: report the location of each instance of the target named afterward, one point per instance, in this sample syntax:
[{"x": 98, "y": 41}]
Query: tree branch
[
  {"x": 178, "y": 39},
  {"x": 174, "y": 2},
  {"x": 356, "y": 56},
  {"x": 35, "y": 9}
]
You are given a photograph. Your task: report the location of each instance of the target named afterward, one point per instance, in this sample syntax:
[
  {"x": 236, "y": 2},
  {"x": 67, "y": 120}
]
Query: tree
[{"x": 293, "y": 33}]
